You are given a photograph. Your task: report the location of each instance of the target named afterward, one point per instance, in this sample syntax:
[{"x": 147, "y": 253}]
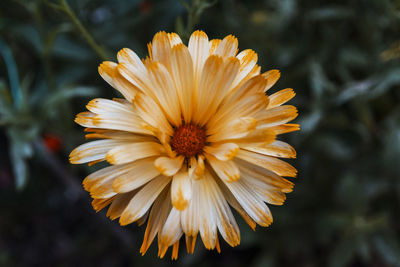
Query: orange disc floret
[{"x": 188, "y": 140}]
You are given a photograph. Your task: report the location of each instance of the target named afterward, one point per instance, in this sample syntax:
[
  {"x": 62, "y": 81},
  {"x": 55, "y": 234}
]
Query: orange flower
[
  {"x": 52, "y": 142},
  {"x": 194, "y": 135}
]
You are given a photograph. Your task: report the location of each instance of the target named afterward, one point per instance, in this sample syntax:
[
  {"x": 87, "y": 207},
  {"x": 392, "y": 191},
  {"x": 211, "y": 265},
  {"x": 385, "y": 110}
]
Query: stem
[
  {"x": 45, "y": 52},
  {"x": 12, "y": 70},
  {"x": 97, "y": 48},
  {"x": 195, "y": 11}
]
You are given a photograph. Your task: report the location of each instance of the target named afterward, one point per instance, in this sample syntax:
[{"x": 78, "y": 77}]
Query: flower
[
  {"x": 52, "y": 142},
  {"x": 194, "y": 135}
]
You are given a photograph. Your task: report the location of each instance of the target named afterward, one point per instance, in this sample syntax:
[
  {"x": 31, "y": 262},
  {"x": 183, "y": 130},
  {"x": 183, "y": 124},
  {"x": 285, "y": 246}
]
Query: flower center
[{"x": 188, "y": 140}]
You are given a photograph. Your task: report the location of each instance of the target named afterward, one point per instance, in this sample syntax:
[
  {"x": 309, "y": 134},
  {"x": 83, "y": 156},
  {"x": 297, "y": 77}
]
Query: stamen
[{"x": 188, "y": 140}]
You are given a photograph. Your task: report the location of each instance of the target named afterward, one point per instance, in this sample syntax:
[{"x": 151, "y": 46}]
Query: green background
[{"x": 341, "y": 57}]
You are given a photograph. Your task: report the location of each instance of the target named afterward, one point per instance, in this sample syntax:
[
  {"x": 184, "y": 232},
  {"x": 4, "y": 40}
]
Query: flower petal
[
  {"x": 234, "y": 129},
  {"x": 158, "y": 215},
  {"x": 174, "y": 39},
  {"x": 190, "y": 220},
  {"x": 226, "y": 170},
  {"x": 250, "y": 202},
  {"x": 175, "y": 250},
  {"x": 225, "y": 221},
  {"x": 136, "y": 75},
  {"x": 230, "y": 198},
  {"x": 198, "y": 47},
  {"x": 116, "y": 135},
  {"x": 103, "y": 188},
  {"x": 223, "y": 152},
  {"x": 258, "y": 137},
  {"x": 272, "y": 77},
  {"x": 196, "y": 169},
  {"x": 100, "y": 203},
  {"x": 280, "y": 97},
  {"x": 93, "y": 151},
  {"x": 248, "y": 59},
  {"x": 276, "y": 116},
  {"x": 190, "y": 243},
  {"x": 270, "y": 163},
  {"x": 152, "y": 114},
  {"x": 182, "y": 73},
  {"x": 275, "y": 149},
  {"x": 126, "y": 55},
  {"x": 104, "y": 106},
  {"x": 99, "y": 176},
  {"x": 216, "y": 78},
  {"x": 214, "y": 43},
  {"x": 142, "y": 201},
  {"x": 99, "y": 183},
  {"x": 165, "y": 92},
  {"x": 246, "y": 101},
  {"x": 142, "y": 172},
  {"x": 169, "y": 166},
  {"x": 264, "y": 176},
  {"x": 181, "y": 190},
  {"x": 161, "y": 48},
  {"x": 133, "y": 151},
  {"x": 207, "y": 214},
  {"x": 108, "y": 71},
  {"x": 285, "y": 128},
  {"x": 112, "y": 121},
  {"x": 171, "y": 231},
  {"x": 269, "y": 195},
  {"x": 119, "y": 204},
  {"x": 228, "y": 47}
]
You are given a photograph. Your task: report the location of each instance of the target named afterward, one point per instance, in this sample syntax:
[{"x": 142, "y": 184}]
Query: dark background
[{"x": 341, "y": 57}]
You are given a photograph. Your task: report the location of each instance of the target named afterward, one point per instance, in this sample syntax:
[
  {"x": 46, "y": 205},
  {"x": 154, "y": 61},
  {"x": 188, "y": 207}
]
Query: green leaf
[
  {"x": 355, "y": 89},
  {"x": 343, "y": 253},
  {"x": 67, "y": 93},
  {"x": 12, "y": 73},
  {"x": 5, "y": 100},
  {"x": 30, "y": 36},
  {"x": 388, "y": 80},
  {"x": 389, "y": 248},
  {"x": 20, "y": 151}
]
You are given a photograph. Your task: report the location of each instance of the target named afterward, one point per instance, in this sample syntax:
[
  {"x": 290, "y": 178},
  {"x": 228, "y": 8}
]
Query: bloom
[{"x": 194, "y": 135}]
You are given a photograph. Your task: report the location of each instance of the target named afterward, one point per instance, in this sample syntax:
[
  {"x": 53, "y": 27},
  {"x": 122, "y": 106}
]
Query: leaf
[
  {"x": 310, "y": 121},
  {"x": 66, "y": 48},
  {"x": 389, "y": 248},
  {"x": 20, "y": 151},
  {"x": 67, "y": 93},
  {"x": 335, "y": 147},
  {"x": 355, "y": 89},
  {"x": 179, "y": 28},
  {"x": 29, "y": 35},
  {"x": 328, "y": 13},
  {"x": 342, "y": 253},
  {"x": 5, "y": 100},
  {"x": 388, "y": 80},
  {"x": 12, "y": 73},
  {"x": 372, "y": 87},
  {"x": 320, "y": 84}
]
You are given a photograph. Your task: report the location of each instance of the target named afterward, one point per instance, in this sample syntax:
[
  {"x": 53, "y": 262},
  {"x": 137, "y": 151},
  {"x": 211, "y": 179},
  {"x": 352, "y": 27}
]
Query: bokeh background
[{"x": 342, "y": 58}]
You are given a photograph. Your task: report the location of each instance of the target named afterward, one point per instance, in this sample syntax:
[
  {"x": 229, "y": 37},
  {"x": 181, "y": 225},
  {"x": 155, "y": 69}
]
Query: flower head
[{"x": 194, "y": 135}]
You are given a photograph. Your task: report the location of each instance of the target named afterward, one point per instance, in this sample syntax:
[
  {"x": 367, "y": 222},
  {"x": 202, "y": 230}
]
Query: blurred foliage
[{"x": 341, "y": 57}]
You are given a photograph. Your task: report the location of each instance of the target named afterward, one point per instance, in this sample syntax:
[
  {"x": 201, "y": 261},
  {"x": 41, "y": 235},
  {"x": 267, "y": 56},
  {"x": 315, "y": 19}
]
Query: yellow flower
[{"x": 194, "y": 135}]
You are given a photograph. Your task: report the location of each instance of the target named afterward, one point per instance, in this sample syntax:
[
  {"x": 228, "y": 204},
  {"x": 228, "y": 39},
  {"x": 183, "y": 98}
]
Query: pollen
[{"x": 188, "y": 140}]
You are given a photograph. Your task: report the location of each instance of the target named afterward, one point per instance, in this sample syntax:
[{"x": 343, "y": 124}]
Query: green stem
[
  {"x": 12, "y": 73},
  {"x": 195, "y": 11},
  {"x": 97, "y": 48},
  {"x": 45, "y": 52}
]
